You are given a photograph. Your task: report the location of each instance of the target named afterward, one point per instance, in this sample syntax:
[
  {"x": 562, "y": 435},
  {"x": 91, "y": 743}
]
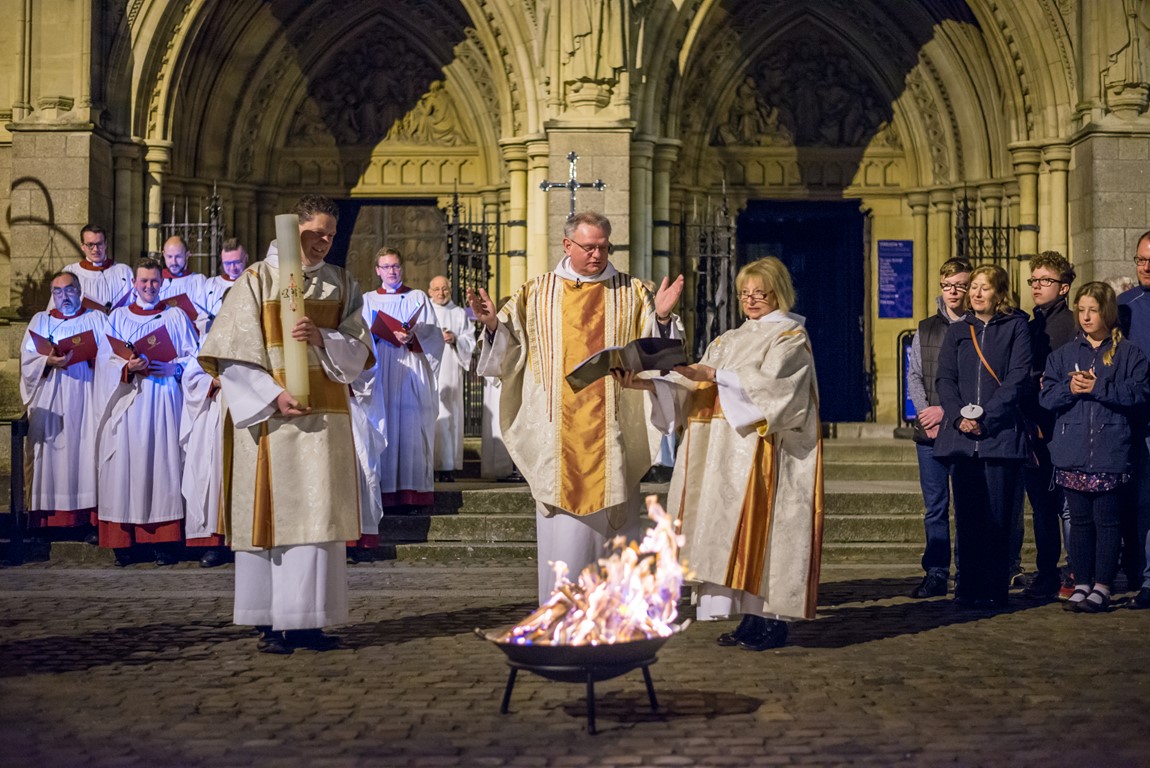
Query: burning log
[{"x": 633, "y": 594}]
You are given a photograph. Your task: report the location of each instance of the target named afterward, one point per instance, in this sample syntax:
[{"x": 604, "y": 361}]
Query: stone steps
[{"x": 873, "y": 514}]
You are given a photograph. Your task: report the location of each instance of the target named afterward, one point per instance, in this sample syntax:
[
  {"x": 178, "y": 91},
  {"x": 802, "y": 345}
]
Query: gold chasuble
[
  {"x": 290, "y": 481},
  {"x": 586, "y": 451},
  {"x": 750, "y": 498}
]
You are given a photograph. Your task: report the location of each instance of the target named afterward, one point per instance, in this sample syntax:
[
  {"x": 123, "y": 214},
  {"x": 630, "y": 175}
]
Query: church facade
[{"x": 862, "y": 141}]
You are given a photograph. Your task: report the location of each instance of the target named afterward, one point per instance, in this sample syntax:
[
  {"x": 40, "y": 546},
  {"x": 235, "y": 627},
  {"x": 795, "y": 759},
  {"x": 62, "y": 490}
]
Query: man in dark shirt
[{"x": 1134, "y": 316}]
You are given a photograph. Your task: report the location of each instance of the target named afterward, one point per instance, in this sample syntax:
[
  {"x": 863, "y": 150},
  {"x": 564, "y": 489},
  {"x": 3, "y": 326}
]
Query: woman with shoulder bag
[
  {"x": 1091, "y": 385},
  {"x": 983, "y": 373}
]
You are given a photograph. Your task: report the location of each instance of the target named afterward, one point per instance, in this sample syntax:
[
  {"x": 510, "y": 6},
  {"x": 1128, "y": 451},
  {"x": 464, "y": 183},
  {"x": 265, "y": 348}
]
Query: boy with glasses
[
  {"x": 1052, "y": 326},
  {"x": 934, "y": 475}
]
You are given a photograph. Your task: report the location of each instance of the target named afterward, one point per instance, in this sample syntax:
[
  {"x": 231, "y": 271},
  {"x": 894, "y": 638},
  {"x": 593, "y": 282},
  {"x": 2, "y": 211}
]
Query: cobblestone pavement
[{"x": 142, "y": 667}]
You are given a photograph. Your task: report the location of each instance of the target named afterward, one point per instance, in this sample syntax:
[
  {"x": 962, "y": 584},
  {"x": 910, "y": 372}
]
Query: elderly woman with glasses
[
  {"x": 983, "y": 378},
  {"x": 747, "y": 483}
]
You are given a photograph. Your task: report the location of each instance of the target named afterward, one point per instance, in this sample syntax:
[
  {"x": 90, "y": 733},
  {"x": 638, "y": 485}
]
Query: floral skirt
[{"x": 1089, "y": 482}]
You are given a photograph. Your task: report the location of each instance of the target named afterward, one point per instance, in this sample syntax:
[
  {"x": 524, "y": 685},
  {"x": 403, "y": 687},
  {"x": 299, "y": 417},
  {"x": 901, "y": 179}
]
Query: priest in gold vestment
[
  {"x": 290, "y": 470},
  {"x": 748, "y": 483},
  {"x": 583, "y": 453}
]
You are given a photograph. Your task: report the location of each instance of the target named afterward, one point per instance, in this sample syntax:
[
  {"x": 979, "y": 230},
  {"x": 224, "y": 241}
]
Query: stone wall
[{"x": 1109, "y": 197}]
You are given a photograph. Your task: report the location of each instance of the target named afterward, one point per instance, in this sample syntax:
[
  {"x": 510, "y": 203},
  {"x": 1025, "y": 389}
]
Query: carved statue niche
[
  {"x": 1125, "y": 81},
  {"x": 593, "y": 41}
]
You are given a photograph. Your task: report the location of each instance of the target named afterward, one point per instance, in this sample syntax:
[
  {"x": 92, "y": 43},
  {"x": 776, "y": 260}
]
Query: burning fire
[{"x": 631, "y": 595}]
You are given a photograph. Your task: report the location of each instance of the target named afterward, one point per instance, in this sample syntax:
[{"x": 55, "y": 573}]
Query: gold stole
[
  {"x": 582, "y": 438},
  {"x": 326, "y": 396}
]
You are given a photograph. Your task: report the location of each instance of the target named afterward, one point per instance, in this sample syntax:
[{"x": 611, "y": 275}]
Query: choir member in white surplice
[
  {"x": 202, "y": 425},
  {"x": 747, "y": 483},
  {"x": 139, "y": 436},
  {"x": 103, "y": 282},
  {"x": 459, "y": 344},
  {"x": 293, "y": 476},
  {"x": 398, "y": 393},
  {"x": 583, "y": 454},
  {"x": 58, "y": 391},
  {"x": 179, "y": 281},
  {"x": 233, "y": 262}
]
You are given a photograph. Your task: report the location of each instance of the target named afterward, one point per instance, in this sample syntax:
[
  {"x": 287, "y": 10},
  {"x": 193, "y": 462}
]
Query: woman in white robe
[{"x": 747, "y": 484}]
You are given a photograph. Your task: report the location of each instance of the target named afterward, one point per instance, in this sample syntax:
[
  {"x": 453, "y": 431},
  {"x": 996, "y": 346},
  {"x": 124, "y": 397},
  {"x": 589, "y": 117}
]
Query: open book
[
  {"x": 384, "y": 326},
  {"x": 646, "y": 354}
]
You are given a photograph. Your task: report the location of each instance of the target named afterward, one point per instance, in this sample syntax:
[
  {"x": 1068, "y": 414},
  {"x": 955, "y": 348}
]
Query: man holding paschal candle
[{"x": 291, "y": 442}]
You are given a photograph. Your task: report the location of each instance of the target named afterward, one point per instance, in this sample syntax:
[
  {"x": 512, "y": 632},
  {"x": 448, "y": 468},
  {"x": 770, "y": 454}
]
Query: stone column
[
  {"x": 924, "y": 268},
  {"x": 942, "y": 226},
  {"x": 244, "y": 199},
  {"x": 159, "y": 154},
  {"x": 538, "y": 257},
  {"x": 267, "y": 205},
  {"x": 665, "y": 154},
  {"x": 1025, "y": 157},
  {"x": 642, "y": 155},
  {"x": 1057, "y": 159},
  {"x": 124, "y": 159},
  {"x": 514, "y": 272}
]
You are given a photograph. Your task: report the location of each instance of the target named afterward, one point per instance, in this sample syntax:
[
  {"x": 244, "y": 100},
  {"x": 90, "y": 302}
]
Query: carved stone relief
[
  {"x": 365, "y": 90},
  {"x": 805, "y": 91}
]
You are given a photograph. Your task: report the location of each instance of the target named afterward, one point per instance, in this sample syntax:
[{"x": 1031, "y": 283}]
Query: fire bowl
[
  {"x": 573, "y": 663},
  {"x": 587, "y": 664}
]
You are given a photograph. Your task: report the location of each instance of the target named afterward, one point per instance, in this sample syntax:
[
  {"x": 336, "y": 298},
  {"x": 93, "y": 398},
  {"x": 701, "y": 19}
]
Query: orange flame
[{"x": 631, "y": 595}]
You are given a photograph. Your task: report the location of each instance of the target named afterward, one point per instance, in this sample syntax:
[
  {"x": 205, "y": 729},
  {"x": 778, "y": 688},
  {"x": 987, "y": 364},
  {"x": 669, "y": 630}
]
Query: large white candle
[{"x": 291, "y": 306}]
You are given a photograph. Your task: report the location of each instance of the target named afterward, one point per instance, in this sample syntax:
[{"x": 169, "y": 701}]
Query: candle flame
[{"x": 633, "y": 594}]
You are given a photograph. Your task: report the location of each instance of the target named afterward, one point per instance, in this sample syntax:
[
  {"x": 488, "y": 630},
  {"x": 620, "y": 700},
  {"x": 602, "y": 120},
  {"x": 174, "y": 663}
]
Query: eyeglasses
[
  {"x": 753, "y": 296},
  {"x": 390, "y": 267},
  {"x": 94, "y": 246},
  {"x": 954, "y": 287},
  {"x": 607, "y": 249},
  {"x": 1045, "y": 282},
  {"x": 1141, "y": 261}
]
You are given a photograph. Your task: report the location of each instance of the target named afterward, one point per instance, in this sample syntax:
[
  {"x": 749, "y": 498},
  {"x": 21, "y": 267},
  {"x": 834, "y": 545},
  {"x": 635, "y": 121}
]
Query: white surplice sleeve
[{"x": 250, "y": 392}]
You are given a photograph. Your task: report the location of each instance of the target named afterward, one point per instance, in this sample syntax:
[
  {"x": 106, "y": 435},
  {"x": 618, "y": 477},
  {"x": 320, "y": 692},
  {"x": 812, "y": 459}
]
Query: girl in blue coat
[
  {"x": 983, "y": 375},
  {"x": 1091, "y": 385}
]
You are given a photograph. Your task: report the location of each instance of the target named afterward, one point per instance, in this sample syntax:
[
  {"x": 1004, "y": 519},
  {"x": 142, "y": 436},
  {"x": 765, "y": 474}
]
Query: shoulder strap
[{"x": 982, "y": 357}]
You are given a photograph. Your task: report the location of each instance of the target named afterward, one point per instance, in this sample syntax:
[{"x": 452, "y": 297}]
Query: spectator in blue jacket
[
  {"x": 1134, "y": 315},
  {"x": 1093, "y": 385},
  {"x": 983, "y": 376}
]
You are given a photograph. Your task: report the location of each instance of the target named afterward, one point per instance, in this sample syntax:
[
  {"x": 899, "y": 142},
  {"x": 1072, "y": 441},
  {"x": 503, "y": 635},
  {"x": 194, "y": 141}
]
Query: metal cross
[{"x": 571, "y": 184}]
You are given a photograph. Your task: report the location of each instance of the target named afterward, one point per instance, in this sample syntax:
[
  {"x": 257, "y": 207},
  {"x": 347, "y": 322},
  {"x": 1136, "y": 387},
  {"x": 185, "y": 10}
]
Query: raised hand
[
  {"x": 667, "y": 297},
  {"x": 484, "y": 308}
]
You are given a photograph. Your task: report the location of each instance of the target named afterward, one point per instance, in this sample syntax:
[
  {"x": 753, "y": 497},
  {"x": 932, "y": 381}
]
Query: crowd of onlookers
[{"x": 1052, "y": 407}]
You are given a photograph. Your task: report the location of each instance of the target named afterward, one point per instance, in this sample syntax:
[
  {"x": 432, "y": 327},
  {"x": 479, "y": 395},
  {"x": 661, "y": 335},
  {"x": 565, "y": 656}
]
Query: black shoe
[
  {"x": 770, "y": 633},
  {"x": 514, "y": 477},
  {"x": 734, "y": 636},
  {"x": 356, "y": 555},
  {"x": 92, "y": 538},
  {"x": 166, "y": 556},
  {"x": 933, "y": 585},
  {"x": 273, "y": 642},
  {"x": 1141, "y": 600},
  {"x": 315, "y": 639},
  {"x": 214, "y": 557},
  {"x": 124, "y": 556},
  {"x": 1044, "y": 586},
  {"x": 445, "y": 477}
]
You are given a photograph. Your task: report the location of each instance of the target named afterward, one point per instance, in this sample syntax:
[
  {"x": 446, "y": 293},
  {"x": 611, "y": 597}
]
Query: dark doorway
[
  {"x": 822, "y": 245},
  {"x": 417, "y": 228}
]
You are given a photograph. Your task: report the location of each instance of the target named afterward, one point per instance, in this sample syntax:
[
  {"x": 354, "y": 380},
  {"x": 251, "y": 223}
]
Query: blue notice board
[{"x": 895, "y": 278}]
